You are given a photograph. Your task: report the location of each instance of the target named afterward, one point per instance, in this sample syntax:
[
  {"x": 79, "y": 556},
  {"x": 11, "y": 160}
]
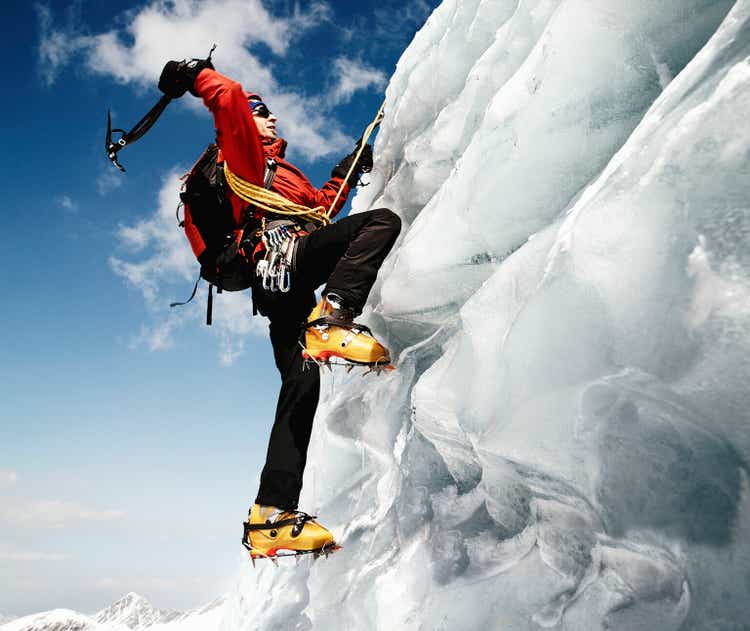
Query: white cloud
[
  {"x": 56, "y": 47},
  {"x": 8, "y": 479},
  {"x": 353, "y": 76},
  {"x": 161, "y": 265},
  {"x": 67, "y": 202},
  {"x": 156, "y": 337},
  {"x": 55, "y": 513},
  {"x": 179, "y": 29},
  {"x": 108, "y": 181}
]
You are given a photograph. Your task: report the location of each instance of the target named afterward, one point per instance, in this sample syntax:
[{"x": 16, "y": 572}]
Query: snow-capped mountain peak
[
  {"x": 135, "y": 611},
  {"x": 131, "y": 612},
  {"x": 55, "y": 620}
]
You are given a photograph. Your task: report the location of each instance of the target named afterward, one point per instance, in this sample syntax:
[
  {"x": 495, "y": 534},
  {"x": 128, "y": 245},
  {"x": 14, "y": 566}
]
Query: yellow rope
[{"x": 272, "y": 202}]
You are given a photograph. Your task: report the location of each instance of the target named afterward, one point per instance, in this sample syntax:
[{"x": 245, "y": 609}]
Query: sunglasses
[{"x": 260, "y": 109}]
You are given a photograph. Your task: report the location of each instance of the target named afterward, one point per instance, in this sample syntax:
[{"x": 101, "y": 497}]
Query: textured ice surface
[{"x": 564, "y": 443}]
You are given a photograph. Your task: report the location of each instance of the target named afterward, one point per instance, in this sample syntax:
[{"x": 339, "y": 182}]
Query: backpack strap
[
  {"x": 195, "y": 288},
  {"x": 270, "y": 174},
  {"x": 210, "y": 304}
]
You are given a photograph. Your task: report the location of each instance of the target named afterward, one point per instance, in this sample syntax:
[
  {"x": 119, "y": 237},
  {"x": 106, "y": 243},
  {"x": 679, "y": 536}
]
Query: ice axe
[
  {"x": 129, "y": 137},
  {"x": 140, "y": 128}
]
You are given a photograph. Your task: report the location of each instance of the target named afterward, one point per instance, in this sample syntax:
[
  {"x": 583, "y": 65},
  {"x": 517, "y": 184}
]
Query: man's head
[{"x": 265, "y": 121}]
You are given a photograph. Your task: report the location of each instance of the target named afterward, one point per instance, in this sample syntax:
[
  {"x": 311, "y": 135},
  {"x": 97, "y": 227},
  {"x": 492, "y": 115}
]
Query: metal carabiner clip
[{"x": 285, "y": 282}]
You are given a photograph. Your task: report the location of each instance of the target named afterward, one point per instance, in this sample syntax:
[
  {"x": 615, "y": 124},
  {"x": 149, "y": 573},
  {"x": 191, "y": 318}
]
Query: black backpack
[{"x": 211, "y": 229}]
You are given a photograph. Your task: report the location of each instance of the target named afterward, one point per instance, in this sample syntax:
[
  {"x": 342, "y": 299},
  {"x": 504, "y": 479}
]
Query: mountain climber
[{"x": 345, "y": 256}]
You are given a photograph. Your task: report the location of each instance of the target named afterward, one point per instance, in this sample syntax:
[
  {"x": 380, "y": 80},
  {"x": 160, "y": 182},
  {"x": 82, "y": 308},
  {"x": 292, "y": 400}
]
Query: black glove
[
  {"x": 364, "y": 165},
  {"x": 179, "y": 76}
]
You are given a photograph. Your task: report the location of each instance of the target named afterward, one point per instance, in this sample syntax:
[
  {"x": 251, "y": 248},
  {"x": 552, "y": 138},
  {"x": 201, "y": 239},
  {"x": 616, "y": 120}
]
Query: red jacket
[{"x": 245, "y": 150}]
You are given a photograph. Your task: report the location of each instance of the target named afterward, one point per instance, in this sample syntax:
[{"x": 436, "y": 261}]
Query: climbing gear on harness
[
  {"x": 332, "y": 338},
  {"x": 276, "y": 268},
  {"x": 270, "y": 532}
]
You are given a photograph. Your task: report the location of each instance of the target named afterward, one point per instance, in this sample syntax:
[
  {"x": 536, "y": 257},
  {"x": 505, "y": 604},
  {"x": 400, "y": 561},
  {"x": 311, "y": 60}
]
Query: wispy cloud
[
  {"x": 8, "y": 479},
  {"x": 108, "y": 181},
  {"x": 55, "y": 513},
  {"x": 66, "y": 202},
  {"x": 353, "y": 76},
  {"x": 57, "y": 47},
  {"x": 156, "y": 337},
  {"x": 160, "y": 31},
  {"x": 27, "y": 556},
  {"x": 158, "y": 262}
]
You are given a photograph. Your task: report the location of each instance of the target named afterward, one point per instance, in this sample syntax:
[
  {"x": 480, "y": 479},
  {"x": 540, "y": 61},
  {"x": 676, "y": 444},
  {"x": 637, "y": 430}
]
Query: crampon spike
[
  {"x": 376, "y": 367},
  {"x": 298, "y": 554}
]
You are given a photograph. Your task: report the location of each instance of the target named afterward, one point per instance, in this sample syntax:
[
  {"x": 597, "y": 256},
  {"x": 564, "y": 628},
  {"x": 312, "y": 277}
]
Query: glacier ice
[{"x": 564, "y": 442}]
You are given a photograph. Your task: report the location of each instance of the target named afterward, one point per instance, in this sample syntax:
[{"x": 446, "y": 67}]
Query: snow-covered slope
[
  {"x": 564, "y": 442},
  {"x": 131, "y": 612},
  {"x": 55, "y": 620}
]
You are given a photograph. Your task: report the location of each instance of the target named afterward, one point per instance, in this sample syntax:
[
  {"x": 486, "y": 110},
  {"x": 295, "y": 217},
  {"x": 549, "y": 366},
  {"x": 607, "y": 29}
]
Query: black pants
[{"x": 346, "y": 256}]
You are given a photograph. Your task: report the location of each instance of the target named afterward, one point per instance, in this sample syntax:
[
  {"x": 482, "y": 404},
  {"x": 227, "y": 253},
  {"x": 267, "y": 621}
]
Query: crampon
[
  {"x": 282, "y": 534},
  {"x": 329, "y": 360},
  {"x": 330, "y": 342},
  {"x": 325, "y": 551}
]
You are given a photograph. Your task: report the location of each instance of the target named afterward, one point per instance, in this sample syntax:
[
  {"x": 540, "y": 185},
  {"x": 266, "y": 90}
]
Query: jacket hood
[{"x": 274, "y": 147}]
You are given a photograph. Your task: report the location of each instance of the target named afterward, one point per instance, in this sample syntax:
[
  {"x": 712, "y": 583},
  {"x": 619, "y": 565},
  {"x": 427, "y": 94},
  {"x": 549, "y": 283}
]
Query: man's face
[{"x": 265, "y": 121}]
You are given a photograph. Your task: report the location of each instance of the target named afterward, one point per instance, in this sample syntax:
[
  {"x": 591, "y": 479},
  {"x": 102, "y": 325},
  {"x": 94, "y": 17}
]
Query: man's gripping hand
[
  {"x": 363, "y": 165},
  {"x": 178, "y": 77}
]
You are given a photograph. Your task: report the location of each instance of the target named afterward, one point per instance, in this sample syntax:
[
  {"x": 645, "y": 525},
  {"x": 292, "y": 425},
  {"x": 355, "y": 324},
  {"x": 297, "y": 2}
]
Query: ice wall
[{"x": 564, "y": 443}]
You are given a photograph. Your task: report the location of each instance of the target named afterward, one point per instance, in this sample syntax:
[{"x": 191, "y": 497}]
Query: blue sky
[{"x": 131, "y": 436}]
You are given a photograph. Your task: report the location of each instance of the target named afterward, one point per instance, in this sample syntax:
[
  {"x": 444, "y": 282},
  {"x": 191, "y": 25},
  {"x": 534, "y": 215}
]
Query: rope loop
[{"x": 273, "y": 202}]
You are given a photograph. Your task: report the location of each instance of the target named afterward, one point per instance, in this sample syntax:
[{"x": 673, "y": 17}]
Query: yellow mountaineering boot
[
  {"x": 330, "y": 332},
  {"x": 270, "y": 531}
]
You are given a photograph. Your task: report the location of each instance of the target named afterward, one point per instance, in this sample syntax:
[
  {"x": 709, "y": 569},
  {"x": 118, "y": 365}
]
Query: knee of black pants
[{"x": 389, "y": 218}]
